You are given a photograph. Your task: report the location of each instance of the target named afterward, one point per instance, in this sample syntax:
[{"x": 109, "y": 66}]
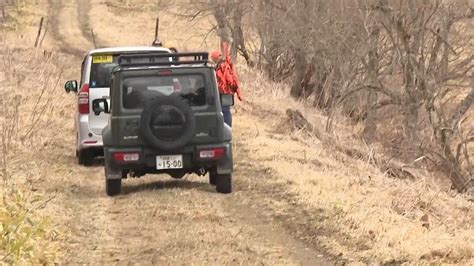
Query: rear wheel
[
  {"x": 113, "y": 187},
  {"x": 113, "y": 179},
  {"x": 212, "y": 178},
  {"x": 85, "y": 157},
  {"x": 224, "y": 183}
]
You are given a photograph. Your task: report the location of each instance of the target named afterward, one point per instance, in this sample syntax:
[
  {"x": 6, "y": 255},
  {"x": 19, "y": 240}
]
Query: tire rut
[
  {"x": 83, "y": 8},
  {"x": 291, "y": 222},
  {"x": 271, "y": 230},
  {"x": 83, "y": 14},
  {"x": 62, "y": 20}
]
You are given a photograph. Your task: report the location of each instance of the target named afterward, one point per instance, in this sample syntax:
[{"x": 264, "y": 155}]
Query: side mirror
[
  {"x": 227, "y": 100},
  {"x": 99, "y": 106},
  {"x": 71, "y": 86}
]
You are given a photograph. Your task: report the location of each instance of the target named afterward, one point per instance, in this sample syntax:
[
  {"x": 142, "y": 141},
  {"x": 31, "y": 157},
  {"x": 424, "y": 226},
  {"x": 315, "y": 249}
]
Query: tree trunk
[
  {"x": 370, "y": 125},
  {"x": 297, "y": 91},
  {"x": 238, "y": 44},
  {"x": 223, "y": 30},
  {"x": 236, "y": 29},
  {"x": 321, "y": 98},
  {"x": 411, "y": 121}
]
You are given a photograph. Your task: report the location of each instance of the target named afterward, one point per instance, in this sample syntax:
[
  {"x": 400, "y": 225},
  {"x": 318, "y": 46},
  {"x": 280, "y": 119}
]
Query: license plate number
[{"x": 169, "y": 162}]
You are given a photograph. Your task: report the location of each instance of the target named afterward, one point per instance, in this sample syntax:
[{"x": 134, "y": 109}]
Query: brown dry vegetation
[
  {"x": 297, "y": 198},
  {"x": 392, "y": 67},
  {"x": 365, "y": 213},
  {"x": 28, "y": 80}
]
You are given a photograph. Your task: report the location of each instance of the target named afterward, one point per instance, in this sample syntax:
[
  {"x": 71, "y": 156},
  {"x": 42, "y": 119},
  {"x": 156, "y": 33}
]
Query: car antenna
[
  {"x": 93, "y": 38},
  {"x": 156, "y": 42}
]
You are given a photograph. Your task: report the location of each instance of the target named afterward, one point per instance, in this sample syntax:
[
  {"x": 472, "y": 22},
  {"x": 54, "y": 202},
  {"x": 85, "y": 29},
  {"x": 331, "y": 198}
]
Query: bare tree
[
  {"x": 228, "y": 15},
  {"x": 358, "y": 56}
]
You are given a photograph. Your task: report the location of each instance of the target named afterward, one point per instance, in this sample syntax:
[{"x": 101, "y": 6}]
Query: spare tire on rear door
[{"x": 167, "y": 123}]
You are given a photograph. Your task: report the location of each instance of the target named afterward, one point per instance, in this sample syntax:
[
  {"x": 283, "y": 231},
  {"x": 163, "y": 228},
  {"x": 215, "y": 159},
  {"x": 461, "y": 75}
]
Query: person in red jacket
[{"x": 227, "y": 79}]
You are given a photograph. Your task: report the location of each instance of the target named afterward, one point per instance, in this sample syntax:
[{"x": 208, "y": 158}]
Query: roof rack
[{"x": 163, "y": 59}]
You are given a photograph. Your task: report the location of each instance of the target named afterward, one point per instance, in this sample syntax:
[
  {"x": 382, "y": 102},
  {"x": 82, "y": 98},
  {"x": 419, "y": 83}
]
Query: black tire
[
  {"x": 113, "y": 179},
  {"x": 213, "y": 178},
  {"x": 85, "y": 157},
  {"x": 224, "y": 184},
  {"x": 167, "y": 123},
  {"x": 113, "y": 187}
]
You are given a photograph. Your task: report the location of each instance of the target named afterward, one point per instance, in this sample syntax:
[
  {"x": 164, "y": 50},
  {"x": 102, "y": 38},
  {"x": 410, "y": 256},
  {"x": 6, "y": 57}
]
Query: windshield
[{"x": 137, "y": 90}]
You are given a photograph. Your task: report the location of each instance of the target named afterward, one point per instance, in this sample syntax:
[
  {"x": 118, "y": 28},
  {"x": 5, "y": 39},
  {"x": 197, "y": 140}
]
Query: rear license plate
[{"x": 169, "y": 162}]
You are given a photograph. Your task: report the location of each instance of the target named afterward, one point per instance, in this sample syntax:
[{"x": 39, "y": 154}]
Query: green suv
[{"x": 165, "y": 118}]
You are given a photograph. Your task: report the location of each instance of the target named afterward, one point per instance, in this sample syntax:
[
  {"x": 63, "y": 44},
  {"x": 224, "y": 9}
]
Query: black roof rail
[{"x": 163, "y": 59}]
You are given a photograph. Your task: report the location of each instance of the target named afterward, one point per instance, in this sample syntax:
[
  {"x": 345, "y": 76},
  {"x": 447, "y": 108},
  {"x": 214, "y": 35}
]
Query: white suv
[{"x": 95, "y": 84}]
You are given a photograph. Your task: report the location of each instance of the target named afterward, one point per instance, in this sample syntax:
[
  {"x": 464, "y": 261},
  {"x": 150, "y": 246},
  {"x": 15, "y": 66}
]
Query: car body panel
[{"x": 207, "y": 116}]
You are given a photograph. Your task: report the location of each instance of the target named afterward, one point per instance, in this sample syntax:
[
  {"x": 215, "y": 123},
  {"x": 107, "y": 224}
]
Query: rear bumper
[{"x": 191, "y": 162}]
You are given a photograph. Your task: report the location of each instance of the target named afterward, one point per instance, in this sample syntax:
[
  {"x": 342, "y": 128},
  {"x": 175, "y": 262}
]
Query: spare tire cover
[{"x": 167, "y": 123}]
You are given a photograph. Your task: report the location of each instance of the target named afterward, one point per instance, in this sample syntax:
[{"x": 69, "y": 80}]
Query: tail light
[
  {"x": 215, "y": 153},
  {"x": 127, "y": 156},
  {"x": 83, "y": 99}
]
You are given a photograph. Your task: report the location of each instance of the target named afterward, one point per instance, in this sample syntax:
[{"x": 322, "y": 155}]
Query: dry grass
[
  {"x": 375, "y": 217},
  {"x": 27, "y": 81},
  {"x": 369, "y": 216}
]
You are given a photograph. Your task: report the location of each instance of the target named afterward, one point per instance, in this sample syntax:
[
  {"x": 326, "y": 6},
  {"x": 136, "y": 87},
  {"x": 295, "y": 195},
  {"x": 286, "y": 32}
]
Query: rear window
[
  {"x": 137, "y": 90},
  {"x": 102, "y": 66},
  {"x": 101, "y": 70}
]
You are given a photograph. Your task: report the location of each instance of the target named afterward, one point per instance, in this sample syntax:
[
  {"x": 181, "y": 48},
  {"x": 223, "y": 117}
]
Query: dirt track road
[{"x": 157, "y": 219}]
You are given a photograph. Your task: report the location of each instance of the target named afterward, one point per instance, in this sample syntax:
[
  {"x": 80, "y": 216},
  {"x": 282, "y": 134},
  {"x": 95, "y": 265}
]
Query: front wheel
[{"x": 224, "y": 183}]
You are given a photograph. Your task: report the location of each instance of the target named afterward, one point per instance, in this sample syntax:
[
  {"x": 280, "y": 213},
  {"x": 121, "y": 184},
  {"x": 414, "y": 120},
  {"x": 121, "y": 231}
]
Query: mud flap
[
  {"x": 111, "y": 172},
  {"x": 226, "y": 166}
]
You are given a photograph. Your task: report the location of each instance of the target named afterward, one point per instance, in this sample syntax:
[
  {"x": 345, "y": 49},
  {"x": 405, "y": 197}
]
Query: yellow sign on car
[{"x": 102, "y": 59}]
